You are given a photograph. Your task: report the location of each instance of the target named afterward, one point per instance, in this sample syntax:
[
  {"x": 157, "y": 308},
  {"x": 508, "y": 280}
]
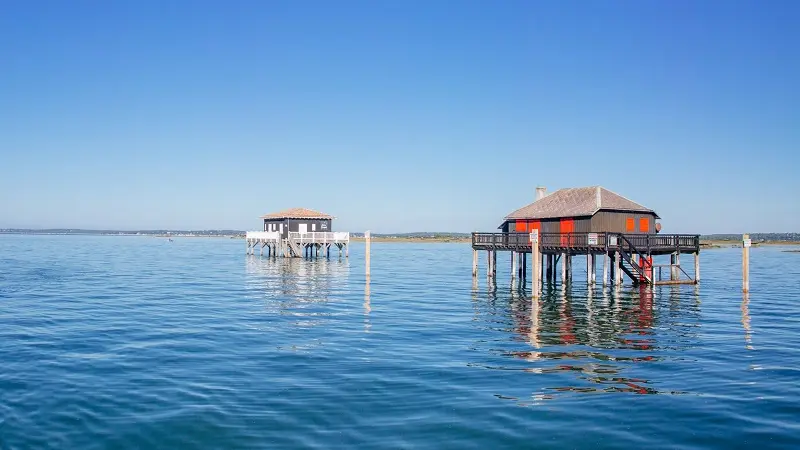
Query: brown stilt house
[
  {"x": 581, "y": 210},
  {"x": 297, "y": 232},
  {"x": 588, "y": 221}
]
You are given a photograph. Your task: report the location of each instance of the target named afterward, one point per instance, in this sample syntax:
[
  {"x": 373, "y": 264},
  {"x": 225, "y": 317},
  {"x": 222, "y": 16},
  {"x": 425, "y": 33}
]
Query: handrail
[{"x": 641, "y": 243}]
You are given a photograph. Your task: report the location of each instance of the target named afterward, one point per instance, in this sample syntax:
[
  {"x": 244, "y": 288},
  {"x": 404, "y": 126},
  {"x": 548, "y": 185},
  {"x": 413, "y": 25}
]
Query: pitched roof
[
  {"x": 297, "y": 213},
  {"x": 576, "y": 202}
]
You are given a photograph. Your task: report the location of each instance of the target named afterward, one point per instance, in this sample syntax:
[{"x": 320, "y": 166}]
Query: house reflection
[
  {"x": 295, "y": 280},
  {"x": 588, "y": 333}
]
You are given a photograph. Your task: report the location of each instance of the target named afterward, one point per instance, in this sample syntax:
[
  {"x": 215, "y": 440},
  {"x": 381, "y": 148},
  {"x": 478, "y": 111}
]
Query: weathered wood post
[
  {"x": 605, "y": 268},
  {"x": 617, "y": 272},
  {"x": 494, "y": 264},
  {"x": 536, "y": 261},
  {"x": 589, "y": 268},
  {"x": 474, "y": 263},
  {"x": 746, "y": 242},
  {"x": 697, "y": 267},
  {"x": 367, "y": 241},
  {"x": 513, "y": 265}
]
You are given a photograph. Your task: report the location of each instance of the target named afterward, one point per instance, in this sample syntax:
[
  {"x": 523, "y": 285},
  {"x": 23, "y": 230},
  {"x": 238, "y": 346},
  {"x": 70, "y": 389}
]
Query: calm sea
[{"x": 137, "y": 342}]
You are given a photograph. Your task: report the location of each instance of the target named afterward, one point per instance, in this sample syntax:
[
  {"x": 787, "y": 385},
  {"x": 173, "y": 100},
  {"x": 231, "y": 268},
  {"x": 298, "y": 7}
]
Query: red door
[{"x": 566, "y": 226}]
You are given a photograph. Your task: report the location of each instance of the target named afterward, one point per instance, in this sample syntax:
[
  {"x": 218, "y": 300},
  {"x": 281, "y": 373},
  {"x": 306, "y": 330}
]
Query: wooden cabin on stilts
[
  {"x": 592, "y": 222},
  {"x": 296, "y": 233}
]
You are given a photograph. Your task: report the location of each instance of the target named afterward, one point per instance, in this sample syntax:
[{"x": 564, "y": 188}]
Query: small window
[
  {"x": 313, "y": 227},
  {"x": 629, "y": 224},
  {"x": 644, "y": 225}
]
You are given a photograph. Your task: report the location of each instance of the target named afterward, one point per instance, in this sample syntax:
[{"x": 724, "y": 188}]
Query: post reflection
[
  {"x": 292, "y": 281},
  {"x": 748, "y": 344},
  {"x": 602, "y": 337},
  {"x": 367, "y": 306}
]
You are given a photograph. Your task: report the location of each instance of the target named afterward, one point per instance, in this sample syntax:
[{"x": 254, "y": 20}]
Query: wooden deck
[
  {"x": 589, "y": 243},
  {"x": 307, "y": 245}
]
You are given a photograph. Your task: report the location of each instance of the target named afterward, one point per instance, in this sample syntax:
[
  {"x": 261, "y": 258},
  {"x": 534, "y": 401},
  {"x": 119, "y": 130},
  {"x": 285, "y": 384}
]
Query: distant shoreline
[{"x": 456, "y": 238}]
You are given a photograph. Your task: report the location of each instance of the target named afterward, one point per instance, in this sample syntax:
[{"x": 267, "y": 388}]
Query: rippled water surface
[{"x": 136, "y": 342}]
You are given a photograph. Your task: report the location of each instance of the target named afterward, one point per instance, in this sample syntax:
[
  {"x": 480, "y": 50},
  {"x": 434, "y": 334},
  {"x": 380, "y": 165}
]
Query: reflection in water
[
  {"x": 367, "y": 306},
  {"x": 596, "y": 337},
  {"x": 294, "y": 287},
  {"x": 748, "y": 344}
]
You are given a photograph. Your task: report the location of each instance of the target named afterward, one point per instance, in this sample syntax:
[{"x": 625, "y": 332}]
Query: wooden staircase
[{"x": 636, "y": 272}]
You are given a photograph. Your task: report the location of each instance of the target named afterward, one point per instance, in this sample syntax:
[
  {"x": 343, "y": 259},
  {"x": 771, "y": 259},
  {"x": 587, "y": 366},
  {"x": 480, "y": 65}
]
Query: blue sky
[{"x": 396, "y": 116}]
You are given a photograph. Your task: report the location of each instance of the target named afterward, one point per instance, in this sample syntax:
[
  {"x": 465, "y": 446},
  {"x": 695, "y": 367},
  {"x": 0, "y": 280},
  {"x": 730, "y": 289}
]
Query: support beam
[
  {"x": 494, "y": 264},
  {"x": 589, "y": 269},
  {"x": 474, "y": 262},
  {"x": 594, "y": 269},
  {"x": 605, "y": 268},
  {"x": 617, "y": 271},
  {"x": 563, "y": 268}
]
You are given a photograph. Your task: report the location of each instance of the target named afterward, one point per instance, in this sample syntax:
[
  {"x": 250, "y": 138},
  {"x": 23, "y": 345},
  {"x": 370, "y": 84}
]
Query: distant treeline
[
  {"x": 123, "y": 232},
  {"x": 782, "y": 237},
  {"x": 418, "y": 235}
]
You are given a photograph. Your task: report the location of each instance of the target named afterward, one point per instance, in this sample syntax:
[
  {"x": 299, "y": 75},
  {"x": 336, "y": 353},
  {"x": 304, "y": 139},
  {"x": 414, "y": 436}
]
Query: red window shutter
[
  {"x": 629, "y": 224},
  {"x": 644, "y": 225}
]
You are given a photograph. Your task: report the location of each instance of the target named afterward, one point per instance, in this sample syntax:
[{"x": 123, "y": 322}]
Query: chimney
[
  {"x": 541, "y": 191},
  {"x": 599, "y": 198}
]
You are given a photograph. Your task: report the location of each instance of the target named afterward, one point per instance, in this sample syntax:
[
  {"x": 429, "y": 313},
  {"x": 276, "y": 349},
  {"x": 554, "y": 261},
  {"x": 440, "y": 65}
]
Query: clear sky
[{"x": 396, "y": 115}]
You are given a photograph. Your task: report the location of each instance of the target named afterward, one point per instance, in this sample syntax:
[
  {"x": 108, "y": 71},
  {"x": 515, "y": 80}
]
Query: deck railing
[
  {"x": 597, "y": 241},
  {"x": 264, "y": 235},
  {"x": 320, "y": 237}
]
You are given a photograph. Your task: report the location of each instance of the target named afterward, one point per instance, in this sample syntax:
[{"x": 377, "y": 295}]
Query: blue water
[{"x": 136, "y": 342}]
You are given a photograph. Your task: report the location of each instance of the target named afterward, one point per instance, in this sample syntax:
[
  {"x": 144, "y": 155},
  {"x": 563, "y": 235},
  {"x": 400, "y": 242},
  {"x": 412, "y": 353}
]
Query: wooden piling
[
  {"x": 536, "y": 265},
  {"x": 746, "y": 263},
  {"x": 513, "y": 265},
  {"x": 367, "y": 241},
  {"x": 589, "y": 269},
  {"x": 494, "y": 264},
  {"x": 617, "y": 271},
  {"x": 605, "y": 269},
  {"x": 563, "y": 268},
  {"x": 474, "y": 263},
  {"x": 697, "y": 267}
]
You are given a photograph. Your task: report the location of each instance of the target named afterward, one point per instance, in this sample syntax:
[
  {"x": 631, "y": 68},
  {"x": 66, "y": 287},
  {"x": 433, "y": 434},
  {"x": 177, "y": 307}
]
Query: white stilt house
[{"x": 298, "y": 232}]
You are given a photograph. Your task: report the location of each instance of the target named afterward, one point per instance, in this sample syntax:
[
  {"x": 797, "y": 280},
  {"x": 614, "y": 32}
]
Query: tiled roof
[
  {"x": 297, "y": 213},
  {"x": 576, "y": 202}
]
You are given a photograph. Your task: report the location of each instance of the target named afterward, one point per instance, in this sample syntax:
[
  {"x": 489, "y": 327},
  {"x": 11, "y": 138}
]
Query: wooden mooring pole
[
  {"x": 474, "y": 263},
  {"x": 367, "y": 239},
  {"x": 536, "y": 262},
  {"x": 746, "y": 263}
]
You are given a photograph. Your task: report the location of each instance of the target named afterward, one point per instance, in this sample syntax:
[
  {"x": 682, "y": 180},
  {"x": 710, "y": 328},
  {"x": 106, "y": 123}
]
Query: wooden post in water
[
  {"x": 605, "y": 268},
  {"x": 617, "y": 272},
  {"x": 494, "y": 265},
  {"x": 746, "y": 263},
  {"x": 697, "y": 267},
  {"x": 474, "y": 263},
  {"x": 513, "y": 265},
  {"x": 536, "y": 261},
  {"x": 589, "y": 269},
  {"x": 563, "y": 268},
  {"x": 367, "y": 241}
]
